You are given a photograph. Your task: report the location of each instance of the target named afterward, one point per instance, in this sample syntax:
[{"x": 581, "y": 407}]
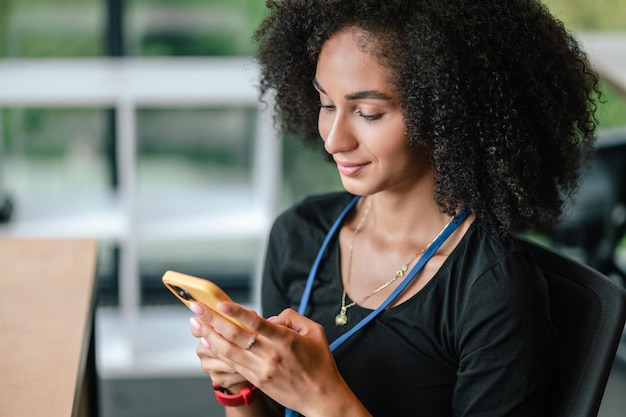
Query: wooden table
[{"x": 47, "y": 303}]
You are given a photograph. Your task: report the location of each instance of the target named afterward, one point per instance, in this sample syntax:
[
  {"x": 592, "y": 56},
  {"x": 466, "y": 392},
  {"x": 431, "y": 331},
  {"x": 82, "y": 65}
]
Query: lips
[{"x": 349, "y": 169}]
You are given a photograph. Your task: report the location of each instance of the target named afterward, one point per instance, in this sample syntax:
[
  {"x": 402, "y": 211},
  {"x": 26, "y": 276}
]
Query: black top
[{"x": 475, "y": 341}]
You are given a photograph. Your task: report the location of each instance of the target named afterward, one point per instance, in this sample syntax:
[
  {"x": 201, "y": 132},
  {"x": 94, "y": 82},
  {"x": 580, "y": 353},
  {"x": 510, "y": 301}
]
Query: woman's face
[{"x": 361, "y": 121}]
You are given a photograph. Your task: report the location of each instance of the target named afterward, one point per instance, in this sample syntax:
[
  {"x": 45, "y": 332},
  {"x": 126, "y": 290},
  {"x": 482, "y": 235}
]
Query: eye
[
  {"x": 328, "y": 108},
  {"x": 370, "y": 118}
]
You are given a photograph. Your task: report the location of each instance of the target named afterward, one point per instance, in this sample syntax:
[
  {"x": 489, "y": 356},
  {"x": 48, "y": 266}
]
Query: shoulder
[
  {"x": 490, "y": 268},
  {"x": 496, "y": 280},
  {"x": 481, "y": 251}
]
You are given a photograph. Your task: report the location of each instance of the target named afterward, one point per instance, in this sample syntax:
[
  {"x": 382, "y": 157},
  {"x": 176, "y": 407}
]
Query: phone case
[{"x": 188, "y": 289}]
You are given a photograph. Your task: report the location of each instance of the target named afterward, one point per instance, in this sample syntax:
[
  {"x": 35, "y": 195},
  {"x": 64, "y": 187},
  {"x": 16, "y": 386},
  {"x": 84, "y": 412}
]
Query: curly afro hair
[{"x": 498, "y": 92}]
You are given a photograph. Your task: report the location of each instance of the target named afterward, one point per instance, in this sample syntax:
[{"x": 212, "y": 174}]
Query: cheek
[{"x": 395, "y": 145}]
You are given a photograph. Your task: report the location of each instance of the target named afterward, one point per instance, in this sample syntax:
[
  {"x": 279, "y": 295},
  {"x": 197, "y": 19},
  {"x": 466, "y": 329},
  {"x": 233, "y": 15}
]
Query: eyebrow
[{"x": 359, "y": 95}]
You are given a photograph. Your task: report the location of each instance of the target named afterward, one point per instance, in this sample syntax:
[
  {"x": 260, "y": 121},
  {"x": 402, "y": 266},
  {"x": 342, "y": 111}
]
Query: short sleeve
[{"x": 505, "y": 343}]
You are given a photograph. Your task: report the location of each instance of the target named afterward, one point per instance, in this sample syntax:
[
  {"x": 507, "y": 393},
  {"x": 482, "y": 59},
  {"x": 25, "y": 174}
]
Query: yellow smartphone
[{"x": 188, "y": 288}]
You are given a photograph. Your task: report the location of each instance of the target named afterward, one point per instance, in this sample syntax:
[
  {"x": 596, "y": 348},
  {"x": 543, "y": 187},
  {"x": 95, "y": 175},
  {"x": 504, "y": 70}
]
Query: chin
[{"x": 353, "y": 187}]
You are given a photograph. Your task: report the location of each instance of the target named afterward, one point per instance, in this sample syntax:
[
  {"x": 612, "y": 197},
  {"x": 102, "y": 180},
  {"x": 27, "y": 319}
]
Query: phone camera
[{"x": 183, "y": 293}]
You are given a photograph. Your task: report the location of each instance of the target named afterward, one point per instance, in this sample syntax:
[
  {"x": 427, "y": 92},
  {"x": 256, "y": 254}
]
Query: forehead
[{"x": 348, "y": 58}]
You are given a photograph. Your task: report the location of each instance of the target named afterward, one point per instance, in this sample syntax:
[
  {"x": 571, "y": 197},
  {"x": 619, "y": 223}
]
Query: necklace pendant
[{"x": 341, "y": 319}]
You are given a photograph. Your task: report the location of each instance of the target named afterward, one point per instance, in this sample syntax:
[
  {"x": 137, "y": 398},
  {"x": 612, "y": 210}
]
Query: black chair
[
  {"x": 595, "y": 222},
  {"x": 588, "y": 312}
]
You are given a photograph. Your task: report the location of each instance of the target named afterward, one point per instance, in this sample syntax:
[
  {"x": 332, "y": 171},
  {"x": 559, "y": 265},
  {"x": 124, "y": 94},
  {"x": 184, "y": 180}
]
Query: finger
[
  {"x": 196, "y": 327},
  {"x": 229, "y": 311},
  {"x": 215, "y": 320},
  {"x": 220, "y": 373},
  {"x": 222, "y": 332},
  {"x": 296, "y": 322},
  {"x": 213, "y": 366},
  {"x": 233, "y": 356},
  {"x": 197, "y": 308},
  {"x": 246, "y": 317}
]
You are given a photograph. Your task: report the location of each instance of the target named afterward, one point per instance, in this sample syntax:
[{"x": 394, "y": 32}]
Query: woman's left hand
[{"x": 289, "y": 359}]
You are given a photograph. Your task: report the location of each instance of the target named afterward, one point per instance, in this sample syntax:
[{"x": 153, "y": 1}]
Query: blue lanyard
[{"x": 430, "y": 251}]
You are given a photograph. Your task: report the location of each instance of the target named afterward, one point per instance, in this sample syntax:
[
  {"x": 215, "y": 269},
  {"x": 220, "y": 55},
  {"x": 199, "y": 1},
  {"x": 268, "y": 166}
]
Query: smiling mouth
[{"x": 349, "y": 170}]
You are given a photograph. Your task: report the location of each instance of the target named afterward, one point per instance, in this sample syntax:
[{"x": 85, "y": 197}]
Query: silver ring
[{"x": 250, "y": 342}]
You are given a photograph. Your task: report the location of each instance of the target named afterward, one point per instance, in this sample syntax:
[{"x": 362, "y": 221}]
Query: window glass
[
  {"x": 191, "y": 27},
  {"x": 51, "y": 28},
  {"x": 56, "y": 150}
]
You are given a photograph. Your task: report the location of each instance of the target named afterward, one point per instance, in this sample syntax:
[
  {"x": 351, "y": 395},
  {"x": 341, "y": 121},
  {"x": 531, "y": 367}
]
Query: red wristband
[{"x": 246, "y": 396}]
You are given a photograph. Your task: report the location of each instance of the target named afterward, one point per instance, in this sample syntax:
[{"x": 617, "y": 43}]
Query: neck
[{"x": 405, "y": 217}]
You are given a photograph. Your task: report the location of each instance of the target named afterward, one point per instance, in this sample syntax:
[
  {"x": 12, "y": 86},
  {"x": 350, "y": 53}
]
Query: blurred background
[{"x": 182, "y": 170}]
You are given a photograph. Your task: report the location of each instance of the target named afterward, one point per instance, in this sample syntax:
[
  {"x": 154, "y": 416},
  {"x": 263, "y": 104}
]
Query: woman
[{"x": 453, "y": 122}]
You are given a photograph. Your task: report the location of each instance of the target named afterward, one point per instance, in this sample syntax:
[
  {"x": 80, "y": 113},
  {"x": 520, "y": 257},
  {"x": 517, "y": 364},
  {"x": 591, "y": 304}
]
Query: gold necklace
[{"x": 341, "y": 319}]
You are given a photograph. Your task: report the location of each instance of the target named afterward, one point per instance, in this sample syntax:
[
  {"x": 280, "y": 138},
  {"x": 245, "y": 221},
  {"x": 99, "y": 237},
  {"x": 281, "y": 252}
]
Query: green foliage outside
[
  {"x": 597, "y": 15},
  {"x": 607, "y": 15},
  {"x": 577, "y": 15},
  {"x": 612, "y": 110},
  {"x": 76, "y": 28}
]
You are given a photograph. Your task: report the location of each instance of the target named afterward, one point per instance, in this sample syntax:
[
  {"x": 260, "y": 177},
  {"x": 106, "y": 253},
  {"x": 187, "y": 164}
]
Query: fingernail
[
  {"x": 205, "y": 342},
  {"x": 196, "y": 308},
  {"x": 224, "y": 308},
  {"x": 195, "y": 323}
]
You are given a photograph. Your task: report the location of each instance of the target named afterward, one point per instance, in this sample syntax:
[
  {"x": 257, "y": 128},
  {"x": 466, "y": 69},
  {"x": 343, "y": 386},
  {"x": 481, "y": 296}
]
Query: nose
[{"x": 336, "y": 133}]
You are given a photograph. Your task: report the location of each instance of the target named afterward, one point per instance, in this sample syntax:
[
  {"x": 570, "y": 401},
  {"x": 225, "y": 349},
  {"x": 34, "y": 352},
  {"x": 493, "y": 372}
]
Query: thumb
[{"x": 292, "y": 320}]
